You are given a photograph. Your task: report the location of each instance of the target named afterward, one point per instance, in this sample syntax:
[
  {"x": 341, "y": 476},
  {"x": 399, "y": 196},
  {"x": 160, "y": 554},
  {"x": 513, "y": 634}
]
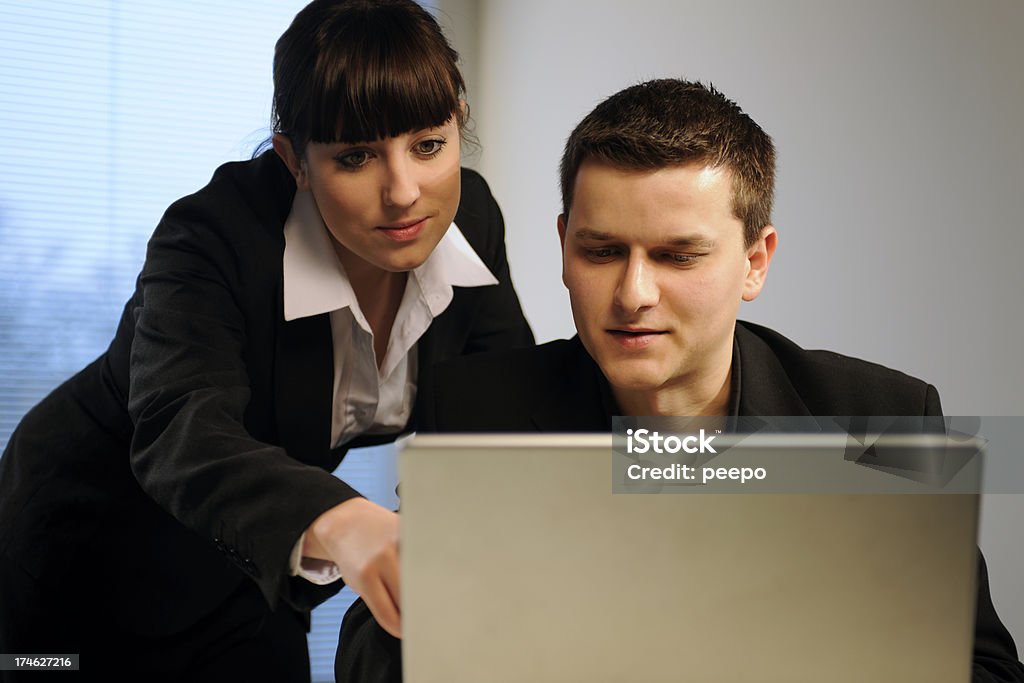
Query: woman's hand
[{"x": 361, "y": 538}]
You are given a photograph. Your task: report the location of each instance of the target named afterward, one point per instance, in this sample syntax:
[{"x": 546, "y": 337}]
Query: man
[{"x": 667, "y": 190}]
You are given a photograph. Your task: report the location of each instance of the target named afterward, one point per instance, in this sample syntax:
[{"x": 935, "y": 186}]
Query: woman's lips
[
  {"x": 635, "y": 339},
  {"x": 403, "y": 232}
]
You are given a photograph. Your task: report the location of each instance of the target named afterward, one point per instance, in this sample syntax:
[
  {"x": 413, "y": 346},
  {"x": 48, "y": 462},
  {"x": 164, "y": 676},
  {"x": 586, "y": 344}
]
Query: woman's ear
[{"x": 283, "y": 146}]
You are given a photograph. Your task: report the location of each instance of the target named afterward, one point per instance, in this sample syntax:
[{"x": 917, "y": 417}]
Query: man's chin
[{"x": 633, "y": 379}]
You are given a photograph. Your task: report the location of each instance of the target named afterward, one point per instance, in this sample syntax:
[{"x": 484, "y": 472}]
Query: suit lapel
[
  {"x": 765, "y": 388},
  {"x": 304, "y": 386}
]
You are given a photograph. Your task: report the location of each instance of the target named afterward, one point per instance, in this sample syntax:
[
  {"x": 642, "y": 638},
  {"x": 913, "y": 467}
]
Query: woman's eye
[
  {"x": 353, "y": 159},
  {"x": 429, "y": 148}
]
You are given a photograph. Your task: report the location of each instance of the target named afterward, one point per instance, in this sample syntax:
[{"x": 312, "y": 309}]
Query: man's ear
[
  {"x": 759, "y": 257},
  {"x": 283, "y": 146},
  {"x": 561, "y": 239}
]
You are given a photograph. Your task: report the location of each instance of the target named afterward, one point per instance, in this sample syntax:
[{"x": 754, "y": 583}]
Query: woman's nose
[{"x": 401, "y": 187}]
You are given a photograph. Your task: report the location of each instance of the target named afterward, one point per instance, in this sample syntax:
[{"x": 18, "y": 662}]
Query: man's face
[{"x": 656, "y": 268}]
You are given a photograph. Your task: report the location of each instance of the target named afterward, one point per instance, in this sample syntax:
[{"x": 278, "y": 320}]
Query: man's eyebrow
[
  {"x": 679, "y": 241},
  {"x": 691, "y": 241},
  {"x": 593, "y": 235}
]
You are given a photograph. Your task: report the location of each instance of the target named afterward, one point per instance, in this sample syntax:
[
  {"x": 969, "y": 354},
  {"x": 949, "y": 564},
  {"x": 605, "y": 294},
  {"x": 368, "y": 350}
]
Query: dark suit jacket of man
[
  {"x": 557, "y": 387},
  {"x": 194, "y": 452}
]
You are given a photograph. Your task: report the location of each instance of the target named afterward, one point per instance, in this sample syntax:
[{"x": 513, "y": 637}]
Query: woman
[{"x": 169, "y": 510}]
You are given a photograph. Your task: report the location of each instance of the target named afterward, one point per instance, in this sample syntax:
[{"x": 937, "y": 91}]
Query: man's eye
[
  {"x": 353, "y": 159},
  {"x": 430, "y": 148},
  {"x": 601, "y": 253},
  {"x": 682, "y": 259}
]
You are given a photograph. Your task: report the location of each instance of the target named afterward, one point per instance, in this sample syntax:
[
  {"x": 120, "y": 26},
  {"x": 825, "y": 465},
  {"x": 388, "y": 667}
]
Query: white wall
[{"x": 900, "y": 189}]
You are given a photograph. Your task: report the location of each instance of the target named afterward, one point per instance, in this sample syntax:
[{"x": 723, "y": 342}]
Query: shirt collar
[{"x": 315, "y": 281}]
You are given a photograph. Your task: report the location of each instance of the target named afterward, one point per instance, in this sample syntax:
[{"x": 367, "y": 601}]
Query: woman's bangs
[{"x": 386, "y": 88}]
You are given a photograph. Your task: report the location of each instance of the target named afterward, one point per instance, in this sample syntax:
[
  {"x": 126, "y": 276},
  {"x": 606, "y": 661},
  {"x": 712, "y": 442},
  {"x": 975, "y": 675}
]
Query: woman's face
[{"x": 387, "y": 203}]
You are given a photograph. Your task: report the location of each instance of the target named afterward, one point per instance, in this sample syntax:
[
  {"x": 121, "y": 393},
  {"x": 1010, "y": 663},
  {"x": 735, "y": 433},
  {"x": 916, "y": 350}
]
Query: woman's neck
[{"x": 379, "y": 293}]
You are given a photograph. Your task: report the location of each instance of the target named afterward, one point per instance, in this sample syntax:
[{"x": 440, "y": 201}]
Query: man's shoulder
[
  {"x": 832, "y": 383},
  {"x": 501, "y": 390}
]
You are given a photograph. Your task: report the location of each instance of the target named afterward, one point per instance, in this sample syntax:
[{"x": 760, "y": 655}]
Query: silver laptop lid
[{"x": 519, "y": 564}]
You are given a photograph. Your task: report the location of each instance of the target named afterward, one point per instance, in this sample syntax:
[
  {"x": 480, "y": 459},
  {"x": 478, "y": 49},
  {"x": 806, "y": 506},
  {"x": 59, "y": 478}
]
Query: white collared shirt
[{"x": 367, "y": 400}]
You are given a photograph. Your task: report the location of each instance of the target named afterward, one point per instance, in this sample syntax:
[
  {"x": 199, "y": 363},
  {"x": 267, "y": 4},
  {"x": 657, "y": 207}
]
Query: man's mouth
[{"x": 635, "y": 337}]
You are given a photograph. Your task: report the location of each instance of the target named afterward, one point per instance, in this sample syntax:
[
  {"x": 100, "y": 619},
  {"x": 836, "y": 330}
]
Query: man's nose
[
  {"x": 638, "y": 288},
  {"x": 401, "y": 186}
]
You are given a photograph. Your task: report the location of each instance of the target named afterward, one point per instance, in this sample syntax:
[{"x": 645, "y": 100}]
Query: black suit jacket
[
  {"x": 557, "y": 387},
  {"x": 195, "y": 450}
]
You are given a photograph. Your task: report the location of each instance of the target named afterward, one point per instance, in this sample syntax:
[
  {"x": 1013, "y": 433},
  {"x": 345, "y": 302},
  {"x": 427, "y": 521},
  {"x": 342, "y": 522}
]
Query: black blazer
[
  {"x": 557, "y": 387},
  {"x": 195, "y": 450}
]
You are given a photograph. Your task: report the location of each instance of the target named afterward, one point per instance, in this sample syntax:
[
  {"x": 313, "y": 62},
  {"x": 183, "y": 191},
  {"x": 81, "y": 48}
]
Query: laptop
[{"x": 519, "y": 564}]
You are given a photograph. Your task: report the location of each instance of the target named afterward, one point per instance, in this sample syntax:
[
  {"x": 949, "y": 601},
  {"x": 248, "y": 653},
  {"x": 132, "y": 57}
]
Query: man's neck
[{"x": 709, "y": 397}]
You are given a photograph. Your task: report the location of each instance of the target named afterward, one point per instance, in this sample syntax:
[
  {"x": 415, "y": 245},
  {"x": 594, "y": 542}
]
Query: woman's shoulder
[
  {"x": 477, "y": 200},
  {"x": 474, "y": 183},
  {"x": 479, "y": 217},
  {"x": 243, "y": 199},
  {"x": 233, "y": 226}
]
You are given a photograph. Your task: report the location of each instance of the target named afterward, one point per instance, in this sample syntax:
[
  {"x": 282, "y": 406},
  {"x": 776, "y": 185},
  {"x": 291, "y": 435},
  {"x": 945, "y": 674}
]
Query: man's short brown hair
[{"x": 672, "y": 122}]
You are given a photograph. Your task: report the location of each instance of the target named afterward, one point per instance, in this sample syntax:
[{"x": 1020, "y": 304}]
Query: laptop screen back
[{"x": 519, "y": 564}]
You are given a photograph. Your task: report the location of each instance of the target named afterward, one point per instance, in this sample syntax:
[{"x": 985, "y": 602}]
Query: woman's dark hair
[{"x": 359, "y": 70}]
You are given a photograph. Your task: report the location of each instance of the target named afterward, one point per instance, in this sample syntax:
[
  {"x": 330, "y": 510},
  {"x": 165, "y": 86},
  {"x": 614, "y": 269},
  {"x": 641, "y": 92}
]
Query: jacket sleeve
[
  {"x": 995, "y": 655},
  {"x": 366, "y": 652},
  {"x": 189, "y": 390}
]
